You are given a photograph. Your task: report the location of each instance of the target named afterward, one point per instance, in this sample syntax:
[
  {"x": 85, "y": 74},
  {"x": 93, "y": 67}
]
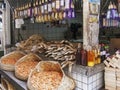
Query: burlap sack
[
  {"x": 66, "y": 83},
  {"x": 7, "y": 62},
  {"x": 25, "y": 65}
]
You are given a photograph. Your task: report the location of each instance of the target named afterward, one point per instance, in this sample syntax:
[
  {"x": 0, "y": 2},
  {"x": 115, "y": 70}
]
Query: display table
[
  {"x": 86, "y": 78},
  {"x": 19, "y": 85}
]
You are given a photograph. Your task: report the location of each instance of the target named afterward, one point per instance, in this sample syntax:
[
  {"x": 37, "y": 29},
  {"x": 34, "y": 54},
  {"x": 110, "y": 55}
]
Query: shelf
[{"x": 20, "y": 85}]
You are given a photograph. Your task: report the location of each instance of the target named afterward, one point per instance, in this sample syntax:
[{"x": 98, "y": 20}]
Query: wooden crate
[{"x": 112, "y": 78}]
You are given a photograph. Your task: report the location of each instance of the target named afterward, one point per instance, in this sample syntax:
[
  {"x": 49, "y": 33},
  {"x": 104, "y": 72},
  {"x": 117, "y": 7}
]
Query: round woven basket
[
  {"x": 15, "y": 55},
  {"x": 28, "y": 62},
  {"x": 66, "y": 82}
]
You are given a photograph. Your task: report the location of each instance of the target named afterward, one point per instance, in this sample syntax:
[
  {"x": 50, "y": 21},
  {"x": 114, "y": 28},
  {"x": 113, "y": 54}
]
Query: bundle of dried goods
[{"x": 61, "y": 51}]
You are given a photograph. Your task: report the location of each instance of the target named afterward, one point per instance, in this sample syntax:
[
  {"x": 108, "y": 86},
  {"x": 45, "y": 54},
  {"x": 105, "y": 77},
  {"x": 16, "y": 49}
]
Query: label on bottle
[
  {"x": 57, "y": 4},
  {"x": 104, "y": 52},
  {"x": 101, "y": 53},
  {"x": 67, "y": 4},
  {"x": 49, "y": 7}
]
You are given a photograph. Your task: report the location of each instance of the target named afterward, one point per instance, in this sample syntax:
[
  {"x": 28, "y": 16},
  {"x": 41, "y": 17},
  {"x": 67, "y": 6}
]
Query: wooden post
[{"x": 90, "y": 23}]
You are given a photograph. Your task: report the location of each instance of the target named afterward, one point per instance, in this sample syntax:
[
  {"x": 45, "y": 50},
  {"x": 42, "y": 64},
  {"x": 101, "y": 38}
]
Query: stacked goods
[
  {"x": 110, "y": 78},
  {"x": 25, "y": 65},
  {"x": 30, "y": 43},
  {"x": 112, "y": 72},
  {"x": 48, "y": 75},
  {"x": 61, "y": 51},
  {"x": 8, "y": 61}
]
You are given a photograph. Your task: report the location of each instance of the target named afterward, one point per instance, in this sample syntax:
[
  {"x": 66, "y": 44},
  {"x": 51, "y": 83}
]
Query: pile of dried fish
[
  {"x": 61, "y": 51},
  {"x": 57, "y": 50}
]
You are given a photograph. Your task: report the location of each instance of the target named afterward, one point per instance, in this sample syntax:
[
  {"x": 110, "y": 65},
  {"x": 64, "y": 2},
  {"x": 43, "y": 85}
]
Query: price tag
[
  {"x": 57, "y": 4},
  {"x": 67, "y": 4},
  {"x": 62, "y": 3},
  {"x": 49, "y": 7}
]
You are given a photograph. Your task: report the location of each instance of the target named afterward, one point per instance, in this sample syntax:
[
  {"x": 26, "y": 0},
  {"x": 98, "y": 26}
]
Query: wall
[{"x": 49, "y": 33}]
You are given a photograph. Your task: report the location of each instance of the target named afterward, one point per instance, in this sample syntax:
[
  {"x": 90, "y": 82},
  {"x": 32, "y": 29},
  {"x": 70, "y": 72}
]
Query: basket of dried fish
[
  {"x": 48, "y": 75},
  {"x": 25, "y": 65},
  {"x": 7, "y": 62}
]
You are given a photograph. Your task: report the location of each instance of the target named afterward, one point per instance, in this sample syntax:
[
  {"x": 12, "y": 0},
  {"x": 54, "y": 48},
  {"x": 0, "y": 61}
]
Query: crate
[{"x": 112, "y": 78}]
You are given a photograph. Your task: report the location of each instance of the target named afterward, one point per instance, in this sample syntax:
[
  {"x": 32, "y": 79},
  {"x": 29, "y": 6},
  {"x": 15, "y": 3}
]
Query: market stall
[{"x": 39, "y": 28}]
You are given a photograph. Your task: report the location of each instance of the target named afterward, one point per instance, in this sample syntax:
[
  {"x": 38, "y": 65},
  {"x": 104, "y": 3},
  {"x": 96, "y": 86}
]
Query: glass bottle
[
  {"x": 98, "y": 58},
  {"x": 78, "y": 55},
  {"x": 83, "y": 57},
  {"x": 91, "y": 57},
  {"x": 103, "y": 52}
]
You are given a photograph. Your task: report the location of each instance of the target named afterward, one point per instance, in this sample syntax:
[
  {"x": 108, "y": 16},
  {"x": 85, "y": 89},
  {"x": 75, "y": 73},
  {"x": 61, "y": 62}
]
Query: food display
[
  {"x": 25, "y": 65},
  {"x": 7, "y": 62},
  {"x": 48, "y": 75},
  {"x": 58, "y": 50},
  {"x": 46, "y": 80},
  {"x": 61, "y": 51}
]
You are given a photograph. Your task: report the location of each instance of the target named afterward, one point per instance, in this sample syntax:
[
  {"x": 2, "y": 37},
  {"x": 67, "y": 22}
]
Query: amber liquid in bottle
[{"x": 91, "y": 58}]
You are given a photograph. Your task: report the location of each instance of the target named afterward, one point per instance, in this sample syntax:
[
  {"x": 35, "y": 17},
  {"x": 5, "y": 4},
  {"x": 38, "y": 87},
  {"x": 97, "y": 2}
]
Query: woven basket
[
  {"x": 15, "y": 55},
  {"x": 28, "y": 62},
  {"x": 6, "y": 84},
  {"x": 66, "y": 83}
]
